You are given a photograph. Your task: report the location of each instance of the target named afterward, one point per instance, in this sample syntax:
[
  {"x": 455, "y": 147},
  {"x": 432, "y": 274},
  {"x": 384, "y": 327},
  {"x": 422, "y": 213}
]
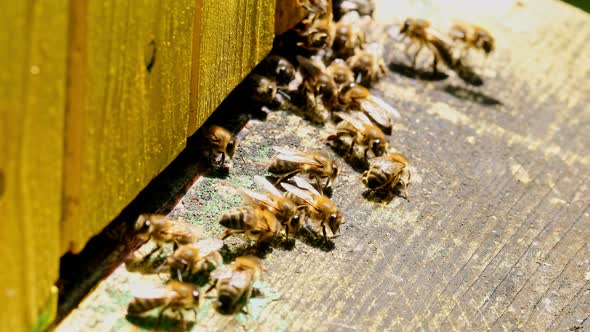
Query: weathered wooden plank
[
  {"x": 495, "y": 235},
  {"x": 230, "y": 38},
  {"x": 33, "y": 38},
  {"x": 128, "y": 105}
]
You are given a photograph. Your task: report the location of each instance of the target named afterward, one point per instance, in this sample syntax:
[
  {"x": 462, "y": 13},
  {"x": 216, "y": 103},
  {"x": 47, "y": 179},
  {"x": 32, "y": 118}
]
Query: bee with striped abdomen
[
  {"x": 363, "y": 132},
  {"x": 257, "y": 223},
  {"x": 175, "y": 295},
  {"x": 318, "y": 207},
  {"x": 234, "y": 283},
  {"x": 316, "y": 165},
  {"x": 386, "y": 172}
]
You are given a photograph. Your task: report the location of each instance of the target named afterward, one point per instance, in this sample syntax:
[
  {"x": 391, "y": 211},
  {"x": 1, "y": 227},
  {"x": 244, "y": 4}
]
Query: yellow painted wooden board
[
  {"x": 230, "y": 38},
  {"x": 128, "y": 105},
  {"x": 32, "y": 98}
]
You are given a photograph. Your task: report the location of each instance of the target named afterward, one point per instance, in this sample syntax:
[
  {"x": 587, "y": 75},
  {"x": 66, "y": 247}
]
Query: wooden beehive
[{"x": 100, "y": 97}]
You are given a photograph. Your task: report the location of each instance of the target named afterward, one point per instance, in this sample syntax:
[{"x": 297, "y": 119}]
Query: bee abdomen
[
  {"x": 140, "y": 305},
  {"x": 281, "y": 167},
  {"x": 374, "y": 179},
  {"x": 235, "y": 219}
]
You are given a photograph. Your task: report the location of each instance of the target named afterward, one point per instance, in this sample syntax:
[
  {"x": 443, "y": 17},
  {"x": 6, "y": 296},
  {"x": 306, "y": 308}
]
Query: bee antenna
[{"x": 284, "y": 94}]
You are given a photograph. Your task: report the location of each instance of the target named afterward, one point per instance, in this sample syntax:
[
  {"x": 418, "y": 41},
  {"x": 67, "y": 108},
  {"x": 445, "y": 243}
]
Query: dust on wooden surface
[{"x": 496, "y": 232}]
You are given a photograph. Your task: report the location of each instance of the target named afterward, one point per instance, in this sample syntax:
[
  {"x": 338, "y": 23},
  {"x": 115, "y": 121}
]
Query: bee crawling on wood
[
  {"x": 472, "y": 37},
  {"x": 318, "y": 207},
  {"x": 202, "y": 257},
  {"x": 219, "y": 144},
  {"x": 356, "y": 97},
  {"x": 386, "y": 172},
  {"x": 363, "y": 132},
  {"x": 278, "y": 68},
  {"x": 257, "y": 223},
  {"x": 349, "y": 38},
  {"x": 316, "y": 165},
  {"x": 341, "y": 73},
  {"x": 286, "y": 211},
  {"x": 161, "y": 230},
  {"x": 318, "y": 89},
  {"x": 175, "y": 295},
  {"x": 420, "y": 32},
  {"x": 368, "y": 65},
  {"x": 235, "y": 283}
]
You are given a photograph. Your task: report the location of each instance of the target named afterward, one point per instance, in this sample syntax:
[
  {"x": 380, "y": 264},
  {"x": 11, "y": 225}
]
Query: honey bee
[
  {"x": 316, "y": 165},
  {"x": 175, "y": 295},
  {"x": 260, "y": 89},
  {"x": 368, "y": 65},
  {"x": 318, "y": 207},
  {"x": 419, "y": 31},
  {"x": 319, "y": 88},
  {"x": 357, "y": 97},
  {"x": 286, "y": 211},
  {"x": 160, "y": 229},
  {"x": 220, "y": 143},
  {"x": 319, "y": 7},
  {"x": 363, "y": 133},
  {"x": 363, "y": 7},
  {"x": 386, "y": 172},
  {"x": 316, "y": 31},
  {"x": 472, "y": 37},
  {"x": 278, "y": 68},
  {"x": 259, "y": 224},
  {"x": 340, "y": 72},
  {"x": 191, "y": 259},
  {"x": 234, "y": 284},
  {"x": 348, "y": 39}
]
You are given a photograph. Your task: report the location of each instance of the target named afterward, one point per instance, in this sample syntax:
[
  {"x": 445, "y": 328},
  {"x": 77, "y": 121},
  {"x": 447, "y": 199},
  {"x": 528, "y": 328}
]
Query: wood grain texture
[
  {"x": 230, "y": 38},
  {"x": 33, "y": 38},
  {"x": 128, "y": 103},
  {"x": 496, "y": 233}
]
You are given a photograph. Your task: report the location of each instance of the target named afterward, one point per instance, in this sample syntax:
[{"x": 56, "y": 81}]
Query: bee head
[
  {"x": 334, "y": 223},
  {"x": 143, "y": 223},
  {"x": 405, "y": 26},
  {"x": 378, "y": 147},
  {"x": 230, "y": 149}
]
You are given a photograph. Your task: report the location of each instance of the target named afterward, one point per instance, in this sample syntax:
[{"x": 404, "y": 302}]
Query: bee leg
[
  {"x": 195, "y": 313},
  {"x": 324, "y": 232},
  {"x": 286, "y": 176},
  {"x": 287, "y": 232},
  {"x": 183, "y": 322},
  {"x": 229, "y": 232},
  {"x": 415, "y": 57},
  {"x": 151, "y": 252},
  {"x": 405, "y": 187},
  {"x": 210, "y": 288},
  {"x": 222, "y": 159},
  {"x": 160, "y": 317}
]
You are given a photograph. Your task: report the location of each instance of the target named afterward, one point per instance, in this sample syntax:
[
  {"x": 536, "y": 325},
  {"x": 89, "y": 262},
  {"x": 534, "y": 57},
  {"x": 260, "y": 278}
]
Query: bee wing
[
  {"x": 259, "y": 199},
  {"x": 206, "y": 246},
  {"x": 240, "y": 279},
  {"x": 296, "y": 157},
  {"x": 354, "y": 121},
  {"x": 149, "y": 291},
  {"x": 440, "y": 35},
  {"x": 264, "y": 183},
  {"x": 380, "y": 111},
  {"x": 224, "y": 272},
  {"x": 182, "y": 231},
  {"x": 304, "y": 195},
  {"x": 301, "y": 183},
  {"x": 389, "y": 167}
]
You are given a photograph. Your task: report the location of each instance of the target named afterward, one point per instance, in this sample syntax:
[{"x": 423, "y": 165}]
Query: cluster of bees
[
  {"x": 323, "y": 69},
  {"x": 451, "y": 49}
]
